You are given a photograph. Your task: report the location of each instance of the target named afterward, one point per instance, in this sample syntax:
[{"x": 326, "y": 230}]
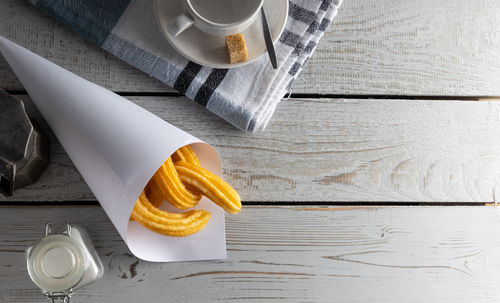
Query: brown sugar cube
[{"x": 236, "y": 48}]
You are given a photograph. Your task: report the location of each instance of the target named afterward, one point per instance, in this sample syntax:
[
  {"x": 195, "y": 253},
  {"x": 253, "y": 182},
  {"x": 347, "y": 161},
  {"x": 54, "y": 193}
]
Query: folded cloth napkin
[{"x": 246, "y": 96}]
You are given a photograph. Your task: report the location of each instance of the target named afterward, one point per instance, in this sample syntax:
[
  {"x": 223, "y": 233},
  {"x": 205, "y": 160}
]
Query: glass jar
[{"x": 59, "y": 263}]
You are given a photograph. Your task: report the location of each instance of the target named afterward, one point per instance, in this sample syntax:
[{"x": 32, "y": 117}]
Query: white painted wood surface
[
  {"x": 325, "y": 150},
  {"x": 422, "y": 47},
  {"x": 399, "y": 254},
  {"x": 333, "y": 150}
]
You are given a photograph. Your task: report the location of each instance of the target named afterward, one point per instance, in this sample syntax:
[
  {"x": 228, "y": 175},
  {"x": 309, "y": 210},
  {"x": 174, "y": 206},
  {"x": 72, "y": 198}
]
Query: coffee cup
[{"x": 216, "y": 17}]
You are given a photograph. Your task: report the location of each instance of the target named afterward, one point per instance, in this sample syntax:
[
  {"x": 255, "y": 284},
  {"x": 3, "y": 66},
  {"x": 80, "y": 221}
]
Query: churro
[
  {"x": 169, "y": 224},
  {"x": 182, "y": 181},
  {"x": 210, "y": 185}
]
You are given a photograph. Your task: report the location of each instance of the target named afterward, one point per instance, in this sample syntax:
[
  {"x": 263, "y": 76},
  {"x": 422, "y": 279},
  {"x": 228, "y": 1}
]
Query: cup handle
[{"x": 179, "y": 24}]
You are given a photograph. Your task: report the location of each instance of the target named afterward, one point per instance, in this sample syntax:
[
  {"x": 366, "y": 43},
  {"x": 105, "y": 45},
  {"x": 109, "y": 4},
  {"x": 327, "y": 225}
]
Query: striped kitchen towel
[{"x": 246, "y": 96}]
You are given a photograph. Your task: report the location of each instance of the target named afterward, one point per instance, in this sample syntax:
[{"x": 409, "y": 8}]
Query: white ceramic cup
[{"x": 216, "y": 17}]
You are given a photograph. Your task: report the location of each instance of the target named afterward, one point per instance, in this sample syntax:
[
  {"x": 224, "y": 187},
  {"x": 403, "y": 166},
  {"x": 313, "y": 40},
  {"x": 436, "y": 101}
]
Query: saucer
[{"x": 209, "y": 50}]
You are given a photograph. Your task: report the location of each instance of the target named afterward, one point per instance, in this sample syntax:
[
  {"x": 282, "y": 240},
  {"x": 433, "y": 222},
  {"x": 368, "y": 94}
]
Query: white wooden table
[{"x": 377, "y": 182}]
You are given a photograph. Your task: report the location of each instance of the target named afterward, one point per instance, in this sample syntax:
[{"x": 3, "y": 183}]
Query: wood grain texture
[
  {"x": 408, "y": 48},
  {"x": 332, "y": 150},
  {"x": 401, "y": 254},
  {"x": 373, "y": 47}
]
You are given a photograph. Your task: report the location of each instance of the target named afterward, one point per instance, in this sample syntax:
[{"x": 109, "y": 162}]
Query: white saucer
[{"x": 209, "y": 50}]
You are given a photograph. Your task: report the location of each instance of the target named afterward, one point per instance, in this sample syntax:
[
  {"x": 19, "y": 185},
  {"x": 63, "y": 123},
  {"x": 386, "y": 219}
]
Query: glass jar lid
[{"x": 56, "y": 263}]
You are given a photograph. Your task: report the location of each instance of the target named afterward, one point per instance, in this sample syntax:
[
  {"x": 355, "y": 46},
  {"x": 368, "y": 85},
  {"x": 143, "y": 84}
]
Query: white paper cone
[{"x": 117, "y": 146}]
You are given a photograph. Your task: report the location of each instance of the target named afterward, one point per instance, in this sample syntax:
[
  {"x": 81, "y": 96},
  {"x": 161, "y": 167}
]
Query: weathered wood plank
[
  {"x": 408, "y": 48},
  {"x": 27, "y": 25},
  {"x": 410, "y": 254},
  {"x": 373, "y": 47},
  {"x": 333, "y": 150}
]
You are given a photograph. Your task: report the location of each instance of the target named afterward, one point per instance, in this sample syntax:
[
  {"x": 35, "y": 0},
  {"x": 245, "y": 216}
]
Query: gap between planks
[
  {"x": 311, "y": 96},
  {"x": 308, "y": 204}
]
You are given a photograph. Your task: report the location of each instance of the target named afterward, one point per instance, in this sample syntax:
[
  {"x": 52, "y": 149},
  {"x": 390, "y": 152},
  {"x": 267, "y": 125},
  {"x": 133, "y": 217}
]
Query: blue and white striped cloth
[{"x": 246, "y": 97}]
